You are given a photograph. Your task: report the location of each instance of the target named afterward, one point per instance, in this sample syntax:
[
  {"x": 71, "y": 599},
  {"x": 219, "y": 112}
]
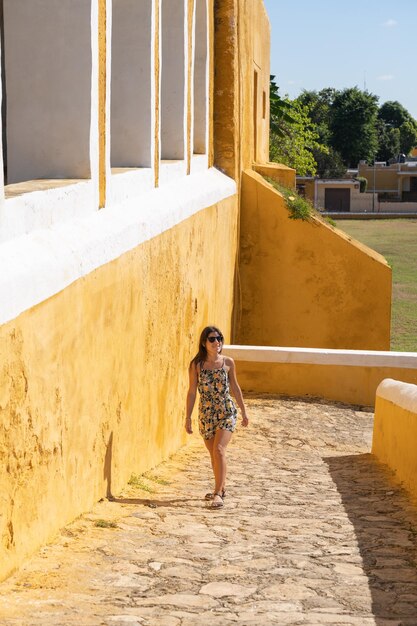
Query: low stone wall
[
  {"x": 280, "y": 173},
  {"x": 350, "y": 376},
  {"x": 395, "y": 430}
]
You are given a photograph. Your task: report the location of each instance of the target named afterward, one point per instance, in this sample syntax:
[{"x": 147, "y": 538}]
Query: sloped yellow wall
[
  {"x": 304, "y": 283},
  {"x": 93, "y": 380}
]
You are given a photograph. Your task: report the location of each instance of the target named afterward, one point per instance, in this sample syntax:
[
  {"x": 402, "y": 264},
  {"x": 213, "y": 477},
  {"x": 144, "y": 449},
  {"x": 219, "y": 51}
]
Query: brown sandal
[
  {"x": 210, "y": 495},
  {"x": 218, "y": 504}
]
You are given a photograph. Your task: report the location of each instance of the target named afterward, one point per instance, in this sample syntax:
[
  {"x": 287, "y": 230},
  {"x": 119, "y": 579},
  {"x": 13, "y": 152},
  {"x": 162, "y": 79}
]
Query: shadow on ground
[
  {"x": 385, "y": 523},
  {"x": 153, "y": 503}
]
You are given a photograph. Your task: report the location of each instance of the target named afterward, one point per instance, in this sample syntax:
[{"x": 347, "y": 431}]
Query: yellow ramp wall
[
  {"x": 395, "y": 431},
  {"x": 93, "y": 380},
  {"x": 305, "y": 283},
  {"x": 343, "y": 375}
]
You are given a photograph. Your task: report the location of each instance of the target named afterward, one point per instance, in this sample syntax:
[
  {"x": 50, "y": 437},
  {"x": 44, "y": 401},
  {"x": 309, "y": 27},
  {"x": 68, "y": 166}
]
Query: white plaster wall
[
  {"x": 320, "y": 356},
  {"x": 41, "y": 209},
  {"x": 131, "y": 93},
  {"x": 173, "y": 43},
  {"x": 40, "y": 264},
  {"x": 200, "y": 100},
  {"x": 48, "y": 86}
]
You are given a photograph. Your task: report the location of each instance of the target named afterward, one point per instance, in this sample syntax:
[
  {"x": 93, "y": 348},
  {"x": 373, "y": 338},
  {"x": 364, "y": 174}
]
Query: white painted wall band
[
  {"x": 40, "y": 264},
  {"x": 319, "y": 356},
  {"x": 399, "y": 393}
]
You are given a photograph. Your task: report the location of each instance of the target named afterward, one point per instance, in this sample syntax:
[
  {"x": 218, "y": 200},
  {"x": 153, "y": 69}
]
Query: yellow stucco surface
[
  {"x": 342, "y": 383},
  {"x": 304, "y": 283},
  {"x": 394, "y": 441},
  {"x": 93, "y": 380},
  {"x": 280, "y": 173},
  {"x": 242, "y": 46}
]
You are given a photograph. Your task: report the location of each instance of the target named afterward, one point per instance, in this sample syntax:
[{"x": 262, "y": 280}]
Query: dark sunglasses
[{"x": 218, "y": 338}]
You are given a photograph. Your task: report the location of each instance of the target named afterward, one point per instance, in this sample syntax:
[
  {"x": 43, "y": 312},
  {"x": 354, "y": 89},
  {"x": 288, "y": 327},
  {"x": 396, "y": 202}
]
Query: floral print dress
[{"x": 216, "y": 408}]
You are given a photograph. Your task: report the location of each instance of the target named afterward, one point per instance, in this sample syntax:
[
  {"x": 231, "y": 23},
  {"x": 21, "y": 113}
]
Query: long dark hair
[{"x": 201, "y": 355}]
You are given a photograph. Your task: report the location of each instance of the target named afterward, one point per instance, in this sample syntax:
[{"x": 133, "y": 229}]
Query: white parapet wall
[
  {"x": 395, "y": 431},
  {"x": 350, "y": 376}
]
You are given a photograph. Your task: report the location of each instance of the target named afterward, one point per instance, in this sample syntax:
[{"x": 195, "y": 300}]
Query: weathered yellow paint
[
  {"x": 341, "y": 383},
  {"x": 394, "y": 441},
  {"x": 241, "y": 42},
  {"x": 210, "y": 26},
  {"x": 254, "y": 42},
  {"x": 305, "y": 283},
  {"x": 94, "y": 379},
  {"x": 102, "y": 77},
  {"x": 225, "y": 111},
  {"x": 280, "y": 173}
]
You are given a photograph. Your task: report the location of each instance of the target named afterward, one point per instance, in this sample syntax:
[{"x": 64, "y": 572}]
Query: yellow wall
[
  {"x": 386, "y": 178},
  {"x": 242, "y": 45},
  {"x": 395, "y": 435},
  {"x": 304, "y": 283},
  {"x": 280, "y": 173},
  {"x": 341, "y": 383},
  {"x": 94, "y": 379}
]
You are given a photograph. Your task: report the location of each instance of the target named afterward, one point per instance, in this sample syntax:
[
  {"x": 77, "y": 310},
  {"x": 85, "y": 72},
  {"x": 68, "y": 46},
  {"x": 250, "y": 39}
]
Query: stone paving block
[{"x": 314, "y": 532}]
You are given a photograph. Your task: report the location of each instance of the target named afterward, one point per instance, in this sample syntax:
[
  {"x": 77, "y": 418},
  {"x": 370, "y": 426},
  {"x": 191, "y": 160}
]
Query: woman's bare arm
[{"x": 191, "y": 395}]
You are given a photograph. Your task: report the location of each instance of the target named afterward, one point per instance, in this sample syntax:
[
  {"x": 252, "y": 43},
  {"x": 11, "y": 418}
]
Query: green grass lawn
[{"x": 396, "y": 240}]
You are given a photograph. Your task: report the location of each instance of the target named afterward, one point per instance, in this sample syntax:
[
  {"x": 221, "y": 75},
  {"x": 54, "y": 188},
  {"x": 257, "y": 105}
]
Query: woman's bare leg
[
  {"x": 221, "y": 439},
  {"x": 209, "y": 443}
]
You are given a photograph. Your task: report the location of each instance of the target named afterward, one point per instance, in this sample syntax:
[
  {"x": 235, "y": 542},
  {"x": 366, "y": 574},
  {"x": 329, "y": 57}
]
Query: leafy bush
[
  {"x": 363, "y": 183},
  {"x": 299, "y": 208}
]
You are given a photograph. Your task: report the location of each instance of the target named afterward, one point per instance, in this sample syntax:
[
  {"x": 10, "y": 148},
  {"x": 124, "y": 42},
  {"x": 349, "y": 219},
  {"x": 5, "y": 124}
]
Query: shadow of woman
[
  {"x": 156, "y": 503},
  {"x": 385, "y": 524}
]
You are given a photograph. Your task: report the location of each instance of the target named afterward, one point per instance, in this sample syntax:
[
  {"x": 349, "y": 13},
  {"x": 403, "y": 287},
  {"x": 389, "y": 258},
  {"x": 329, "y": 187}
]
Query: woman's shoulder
[
  {"x": 195, "y": 366},
  {"x": 228, "y": 361}
]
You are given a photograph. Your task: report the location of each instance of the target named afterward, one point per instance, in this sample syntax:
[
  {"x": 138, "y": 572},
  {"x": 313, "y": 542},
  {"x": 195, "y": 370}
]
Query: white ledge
[
  {"x": 38, "y": 265},
  {"x": 399, "y": 393},
  {"x": 319, "y": 356}
]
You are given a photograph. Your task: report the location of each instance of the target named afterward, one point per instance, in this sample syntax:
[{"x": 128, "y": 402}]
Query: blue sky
[{"x": 330, "y": 43}]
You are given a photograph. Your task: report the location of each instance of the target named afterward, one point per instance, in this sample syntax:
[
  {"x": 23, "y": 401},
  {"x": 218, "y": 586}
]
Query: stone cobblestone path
[{"x": 313, "y": 532}]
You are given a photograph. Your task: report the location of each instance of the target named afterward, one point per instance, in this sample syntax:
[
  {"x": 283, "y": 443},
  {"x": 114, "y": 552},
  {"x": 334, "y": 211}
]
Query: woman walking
[{"x": 212, "y": 373}]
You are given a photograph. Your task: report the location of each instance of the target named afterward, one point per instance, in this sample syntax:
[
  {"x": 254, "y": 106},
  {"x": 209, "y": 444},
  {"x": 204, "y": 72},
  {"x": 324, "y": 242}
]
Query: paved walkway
[{"x": 312, "y": 533}]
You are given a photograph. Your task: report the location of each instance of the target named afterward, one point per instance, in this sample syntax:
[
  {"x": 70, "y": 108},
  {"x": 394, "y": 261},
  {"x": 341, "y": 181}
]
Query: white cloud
[
  {"x": 385, "y": 77},
  {"x": 390, "y": 23}
]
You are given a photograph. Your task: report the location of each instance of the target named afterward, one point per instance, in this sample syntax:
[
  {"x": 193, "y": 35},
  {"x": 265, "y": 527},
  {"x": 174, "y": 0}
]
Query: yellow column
[{"x": 210, "y": 26}]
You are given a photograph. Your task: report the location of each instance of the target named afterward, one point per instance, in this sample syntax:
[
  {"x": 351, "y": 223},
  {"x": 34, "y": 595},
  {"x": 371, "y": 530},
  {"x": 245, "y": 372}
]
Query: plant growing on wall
[
  {"x": 363, "y": 183},
  {"x": 299, "y": 208}
]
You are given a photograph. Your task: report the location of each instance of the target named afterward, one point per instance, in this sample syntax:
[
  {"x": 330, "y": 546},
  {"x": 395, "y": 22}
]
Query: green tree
[
  {"x": 329, "y": 163},
  {"x": 280, "y": 110},
  {"x": 353, "y": 125},
  {"x": 388, "y": 141},
  {"x": 394, "y": 114},
  {"x": 293, "y": 145},
  {"x": 399, "y": 124},
  {"x": 408, "y": 136},
  {"x": 319, "y": 104}
]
